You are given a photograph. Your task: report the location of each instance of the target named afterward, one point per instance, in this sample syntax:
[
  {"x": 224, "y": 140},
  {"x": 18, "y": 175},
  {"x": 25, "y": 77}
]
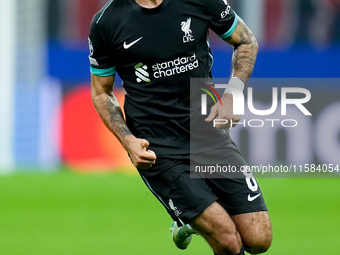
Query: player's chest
[{"x": 157, "y": 36}]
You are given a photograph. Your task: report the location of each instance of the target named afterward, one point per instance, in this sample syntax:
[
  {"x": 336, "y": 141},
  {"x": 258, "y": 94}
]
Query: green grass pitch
[{"x": 82, "y": 214}]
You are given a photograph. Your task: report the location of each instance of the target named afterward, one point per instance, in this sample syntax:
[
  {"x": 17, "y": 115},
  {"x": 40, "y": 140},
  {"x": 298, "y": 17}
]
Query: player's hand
[
  {"x": 140, "y": 156},
  {"x": 224, "y": 112}
]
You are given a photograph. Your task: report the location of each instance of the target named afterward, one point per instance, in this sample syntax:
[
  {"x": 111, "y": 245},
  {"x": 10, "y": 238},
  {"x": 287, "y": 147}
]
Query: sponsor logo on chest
[{"x": 176, "y": 66}]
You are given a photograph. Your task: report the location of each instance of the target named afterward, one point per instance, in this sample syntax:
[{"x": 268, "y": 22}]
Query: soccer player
[{"x": 156, "y": 46}]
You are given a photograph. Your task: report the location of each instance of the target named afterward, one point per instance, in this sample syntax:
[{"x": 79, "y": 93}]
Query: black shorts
[{"x": 185, "y": 197}]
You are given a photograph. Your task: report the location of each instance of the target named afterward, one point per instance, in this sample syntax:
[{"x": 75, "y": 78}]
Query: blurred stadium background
[{"x": 50, "y": 134}]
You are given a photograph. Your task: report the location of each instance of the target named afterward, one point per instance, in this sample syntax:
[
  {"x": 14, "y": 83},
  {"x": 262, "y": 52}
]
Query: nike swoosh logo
[
  {"x": 251, "y": 199},
  {"x": 126, "y": 46}
]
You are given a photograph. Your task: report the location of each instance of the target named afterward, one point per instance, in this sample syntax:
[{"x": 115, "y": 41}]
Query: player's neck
[{"x": 149, "y": 3}]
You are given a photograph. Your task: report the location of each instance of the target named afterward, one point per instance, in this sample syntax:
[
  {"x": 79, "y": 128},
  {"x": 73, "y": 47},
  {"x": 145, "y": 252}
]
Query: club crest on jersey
[{"x": 187, "y": 31}]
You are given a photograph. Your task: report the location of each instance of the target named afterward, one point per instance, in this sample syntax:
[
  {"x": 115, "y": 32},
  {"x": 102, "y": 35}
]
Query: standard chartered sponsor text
[{"x": 176, "y": 66}]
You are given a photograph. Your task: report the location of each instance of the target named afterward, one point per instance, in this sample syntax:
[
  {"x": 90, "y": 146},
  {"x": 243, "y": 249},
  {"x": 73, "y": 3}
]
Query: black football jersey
[{"x": 156, "y": 52}]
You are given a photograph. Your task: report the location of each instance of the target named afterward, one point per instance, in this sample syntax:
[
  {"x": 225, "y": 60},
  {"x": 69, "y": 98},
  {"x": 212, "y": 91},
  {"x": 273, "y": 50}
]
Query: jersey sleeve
[
  {"x": 222, "y": 18},
  {"x": 101, "y": 57}
]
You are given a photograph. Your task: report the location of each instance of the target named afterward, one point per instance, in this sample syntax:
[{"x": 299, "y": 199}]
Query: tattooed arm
[
  {"x": 109, "y": 110},
  {"x": 244, "y": 57},
  {"x": 245, "y": 51}
]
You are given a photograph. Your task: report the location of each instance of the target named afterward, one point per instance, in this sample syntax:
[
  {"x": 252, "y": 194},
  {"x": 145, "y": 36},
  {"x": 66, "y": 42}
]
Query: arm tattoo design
[
  {"x": 245, "y": 52},
  {"x": 116, "y": 115}
]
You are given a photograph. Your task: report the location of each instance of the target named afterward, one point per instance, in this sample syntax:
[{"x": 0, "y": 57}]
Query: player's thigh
[
  {"x": 244, "y": 201},
  {"x": 255, "y": 229},
  {"x": 183, "y": 196},
  {"x": 218, "y": 229}
]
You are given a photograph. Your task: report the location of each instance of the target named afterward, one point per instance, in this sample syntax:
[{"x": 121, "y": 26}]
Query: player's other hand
[
  {"x": 223, "y": 112},
  {"x": 140, "y": 156}
]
